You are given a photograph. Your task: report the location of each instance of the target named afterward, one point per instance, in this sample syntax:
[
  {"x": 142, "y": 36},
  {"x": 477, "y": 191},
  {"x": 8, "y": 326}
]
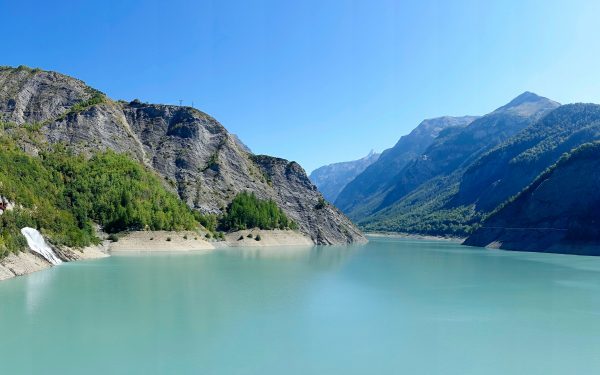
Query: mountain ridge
[
  {"x": 364, "y": 192},
  {"x": 197, "y": 157},
  {"x": 332, "y": 178}
]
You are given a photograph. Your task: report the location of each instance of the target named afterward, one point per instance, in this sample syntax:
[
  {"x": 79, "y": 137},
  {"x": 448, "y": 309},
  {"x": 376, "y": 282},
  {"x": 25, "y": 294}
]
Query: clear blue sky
[{"x": 316, "y": 81}]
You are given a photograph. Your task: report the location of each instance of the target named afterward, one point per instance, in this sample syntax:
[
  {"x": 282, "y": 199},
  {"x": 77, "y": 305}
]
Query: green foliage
[
  {"x": 209, "y": 221},
  {"x": 96, "y": 97},
  {"x": 118, "y": 193},
  {"x": 321, "y": 204},
  {"x": 62, "y": 194},
  {"x": 212, "y": 163},
  {"x": 247, "y": 211},
  {"x": 427, "y": 211}
]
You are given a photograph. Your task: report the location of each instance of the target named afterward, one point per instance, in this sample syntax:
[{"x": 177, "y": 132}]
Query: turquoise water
[{"x": 390, "y": 307}]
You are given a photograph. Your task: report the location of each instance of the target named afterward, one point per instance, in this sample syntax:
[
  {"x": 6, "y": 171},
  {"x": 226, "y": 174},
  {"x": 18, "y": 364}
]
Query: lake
[{"x": 394, "y": 306}]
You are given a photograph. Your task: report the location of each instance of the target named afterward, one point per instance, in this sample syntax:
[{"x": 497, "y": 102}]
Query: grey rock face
[
  {"x": 332, "y": 178},
  {"x": 197, "y": 157},
  {"x": 32, "y": 96},
  {"x": 297, "y": 195}
]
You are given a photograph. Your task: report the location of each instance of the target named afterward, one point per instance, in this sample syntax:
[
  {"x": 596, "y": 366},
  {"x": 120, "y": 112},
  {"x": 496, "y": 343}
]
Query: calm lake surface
[{"x": 390, "y": 307}]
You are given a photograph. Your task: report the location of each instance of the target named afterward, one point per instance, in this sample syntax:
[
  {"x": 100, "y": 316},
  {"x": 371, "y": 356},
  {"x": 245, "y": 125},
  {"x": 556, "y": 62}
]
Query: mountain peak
[{"x": 528, "y": 99}]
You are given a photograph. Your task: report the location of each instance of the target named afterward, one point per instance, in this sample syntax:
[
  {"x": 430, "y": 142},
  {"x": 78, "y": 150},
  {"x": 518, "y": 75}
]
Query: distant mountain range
[
  {"x": 332, "y": 178},
  {"x": 366, "y": 192},
  {"x": 485, "y": 178}
]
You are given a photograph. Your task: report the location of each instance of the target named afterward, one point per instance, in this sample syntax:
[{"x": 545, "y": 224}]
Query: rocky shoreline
[
  {"x": 28, "y": 262},
  {"x": 153, "y": 241}
]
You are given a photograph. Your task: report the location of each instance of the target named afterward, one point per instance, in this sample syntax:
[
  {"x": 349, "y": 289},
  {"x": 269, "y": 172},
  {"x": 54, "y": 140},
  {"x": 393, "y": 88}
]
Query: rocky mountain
[
  {"x": 423, "y": 196},
  {"x": 331, "y": 179},
  {"x": 509, "y": 168},
  {"x": 558, "y": 212},
  {"x": 458, "y": 148},
  {"x": 195, "y": 155},
  {"x": 364, "y": 194}
]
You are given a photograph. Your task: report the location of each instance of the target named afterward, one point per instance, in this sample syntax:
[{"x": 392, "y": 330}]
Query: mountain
[
  {"x": 456, "y": 149},
  {"x": 331, "y": 179},
  {"x": 509, "y": 168},
  {"x": 422, "y": 197},
  {"x": 558, "y": 212},
  {"x": 196, "y": 157},
  {"x": 361, "y": 196}
]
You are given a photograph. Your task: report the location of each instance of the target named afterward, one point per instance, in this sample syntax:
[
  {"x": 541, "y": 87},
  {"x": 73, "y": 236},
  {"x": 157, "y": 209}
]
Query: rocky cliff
[{"x": 197, "y": 157}]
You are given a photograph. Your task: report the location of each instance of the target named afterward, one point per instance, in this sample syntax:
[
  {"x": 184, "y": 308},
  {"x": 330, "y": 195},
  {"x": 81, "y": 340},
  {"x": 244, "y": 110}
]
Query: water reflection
[
  {"x": 37, "y": 286},
  {"x": 319, "y": 257}
]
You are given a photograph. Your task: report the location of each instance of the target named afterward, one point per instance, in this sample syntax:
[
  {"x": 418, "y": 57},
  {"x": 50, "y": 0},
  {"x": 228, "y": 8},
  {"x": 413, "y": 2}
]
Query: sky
[{"x": 315, "y": 81}]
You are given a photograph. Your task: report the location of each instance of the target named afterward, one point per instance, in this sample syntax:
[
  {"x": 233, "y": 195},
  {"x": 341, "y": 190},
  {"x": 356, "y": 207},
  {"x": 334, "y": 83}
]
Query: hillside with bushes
[{"x": 193, "y": 155}]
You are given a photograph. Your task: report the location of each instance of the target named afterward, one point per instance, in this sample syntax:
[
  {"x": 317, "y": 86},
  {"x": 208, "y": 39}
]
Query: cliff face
[
  {"x": 558, "y": 212},
  {"x": 197, "y": 157}
]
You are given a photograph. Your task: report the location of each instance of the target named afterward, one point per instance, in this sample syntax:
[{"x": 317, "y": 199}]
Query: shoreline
[
  {"x": 24, "y": 263},
  {"x": 415, "y": 236}
]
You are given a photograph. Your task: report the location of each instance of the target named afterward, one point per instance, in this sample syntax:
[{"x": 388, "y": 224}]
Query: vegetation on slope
[
  {"x": 560, "y": 207},
  {"x": 456, "y": 204},
  {"x": 247, "y": 211},
  {"x": 63, "y": 194}
]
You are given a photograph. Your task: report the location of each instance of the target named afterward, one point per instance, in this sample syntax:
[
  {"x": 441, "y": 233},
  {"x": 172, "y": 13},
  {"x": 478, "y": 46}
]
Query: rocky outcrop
[
  {"x": 21, "y": 264},
  {"x": 27, "y": 262},
  {"x": 559, "y": 212},
  {"x": 196, "y": 156},
  {"x": 301, "y": 200}
]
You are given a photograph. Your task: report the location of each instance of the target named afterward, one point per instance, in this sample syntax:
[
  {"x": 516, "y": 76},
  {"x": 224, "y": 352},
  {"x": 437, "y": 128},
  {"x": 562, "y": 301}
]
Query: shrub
[
  {"x": 247, "y": 211},
  {"x": 321, "y": 204}
]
